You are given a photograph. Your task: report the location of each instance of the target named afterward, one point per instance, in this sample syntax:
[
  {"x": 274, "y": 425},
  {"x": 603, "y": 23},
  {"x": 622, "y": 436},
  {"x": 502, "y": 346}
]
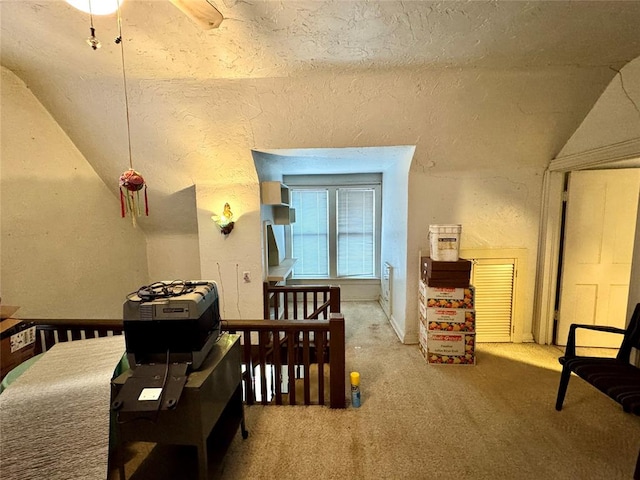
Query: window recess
[{"x": 337, "y": 229}]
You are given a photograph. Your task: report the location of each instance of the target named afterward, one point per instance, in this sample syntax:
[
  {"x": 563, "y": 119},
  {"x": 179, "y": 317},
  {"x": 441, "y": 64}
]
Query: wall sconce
[{"x": 225, "y": 221}]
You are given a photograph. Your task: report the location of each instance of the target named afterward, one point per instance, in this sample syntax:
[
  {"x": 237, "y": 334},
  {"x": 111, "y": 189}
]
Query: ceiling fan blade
[{"x": 200, "y": 11}]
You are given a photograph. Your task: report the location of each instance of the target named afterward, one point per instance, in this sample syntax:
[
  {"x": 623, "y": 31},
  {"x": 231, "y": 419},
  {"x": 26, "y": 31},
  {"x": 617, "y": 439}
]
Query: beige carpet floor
[{"x": 494, "y": 420}]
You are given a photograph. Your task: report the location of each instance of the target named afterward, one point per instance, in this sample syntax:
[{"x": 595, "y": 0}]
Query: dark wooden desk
[{"x": 213, "y": 389}]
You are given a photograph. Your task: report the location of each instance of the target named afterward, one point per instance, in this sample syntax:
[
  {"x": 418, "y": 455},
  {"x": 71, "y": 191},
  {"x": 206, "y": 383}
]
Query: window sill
[{"x": 344, "y": 281}]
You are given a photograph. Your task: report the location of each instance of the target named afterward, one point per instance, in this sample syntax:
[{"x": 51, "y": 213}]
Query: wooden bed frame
[{"x": 49, "y": 332}]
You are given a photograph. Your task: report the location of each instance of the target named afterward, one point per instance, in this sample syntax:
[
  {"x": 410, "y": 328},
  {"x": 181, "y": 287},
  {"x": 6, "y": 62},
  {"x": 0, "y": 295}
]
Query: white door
[{"x": 598, "y": 247}]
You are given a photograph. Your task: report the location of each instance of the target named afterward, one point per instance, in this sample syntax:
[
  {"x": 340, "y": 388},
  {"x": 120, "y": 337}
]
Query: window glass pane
[
  {"x": 356, "y": 232},
  {"x": 310, "y": 233}
]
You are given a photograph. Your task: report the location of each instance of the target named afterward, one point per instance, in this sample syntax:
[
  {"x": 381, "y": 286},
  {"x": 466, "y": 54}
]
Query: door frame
[{"x": 621, "y": 155}]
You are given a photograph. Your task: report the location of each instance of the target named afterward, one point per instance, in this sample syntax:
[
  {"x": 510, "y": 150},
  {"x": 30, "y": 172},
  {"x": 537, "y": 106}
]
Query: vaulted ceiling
[{"x": 170, "y": 61}]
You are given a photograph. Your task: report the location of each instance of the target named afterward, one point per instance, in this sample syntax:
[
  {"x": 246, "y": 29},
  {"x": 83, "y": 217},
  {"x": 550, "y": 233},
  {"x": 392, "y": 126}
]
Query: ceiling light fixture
[
  {"x": 92, "y": 41},
  {"x": 96, "y": 7}
]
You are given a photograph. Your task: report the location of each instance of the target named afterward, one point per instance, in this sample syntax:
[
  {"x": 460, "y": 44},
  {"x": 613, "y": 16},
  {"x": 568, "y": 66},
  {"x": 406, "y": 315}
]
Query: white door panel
[{"x": 598, "y": 248}]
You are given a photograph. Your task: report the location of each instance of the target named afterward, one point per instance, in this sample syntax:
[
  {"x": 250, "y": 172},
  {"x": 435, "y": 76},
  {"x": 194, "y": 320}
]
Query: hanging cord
[
  {"x": 92, "y": 41},
  {"x": 238, "y": 292},
  {"x": 124, "y": 81},
  {"x": 224, "y": 314}
]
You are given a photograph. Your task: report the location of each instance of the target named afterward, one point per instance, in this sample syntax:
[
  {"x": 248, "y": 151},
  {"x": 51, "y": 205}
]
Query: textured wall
[
  {"x": 173, "y": 257},
  {"x": 66, "y": 253},
  {"x": 224, "y": 258},
  {"x": 395, "y": 225},
  {"x": 483, "y": 138},
  {"x": 615, "y": 120}
]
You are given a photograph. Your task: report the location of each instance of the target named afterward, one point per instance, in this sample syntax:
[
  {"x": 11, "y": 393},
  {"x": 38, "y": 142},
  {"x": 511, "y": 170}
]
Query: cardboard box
[
  {"x": 442, "y": 297},
  {"x": 451, "y": 282},
  {"x": 447, "y": 348},
  {"x": 7, "y": 311},
  {"x": 451, "y": 319},
  {"x": 461, "y": 265},
  {"x": 17, "y": 343},
  {"x": 446, "y": 274}
]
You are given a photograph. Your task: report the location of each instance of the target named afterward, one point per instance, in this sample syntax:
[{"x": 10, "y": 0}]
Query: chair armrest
[{"x": 571, "y": 341}]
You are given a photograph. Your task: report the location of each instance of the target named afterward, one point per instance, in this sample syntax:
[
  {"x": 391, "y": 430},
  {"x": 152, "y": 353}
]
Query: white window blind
[
  {"x": 356, "y": 232},
  {"x": 337, "y": 230},
  {"x": 310, "y": 233}
]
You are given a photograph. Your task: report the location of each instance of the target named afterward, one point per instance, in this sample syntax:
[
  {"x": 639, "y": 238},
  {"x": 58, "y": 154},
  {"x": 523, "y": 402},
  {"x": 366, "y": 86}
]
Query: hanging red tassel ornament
[{"x": 131, "y": 183}]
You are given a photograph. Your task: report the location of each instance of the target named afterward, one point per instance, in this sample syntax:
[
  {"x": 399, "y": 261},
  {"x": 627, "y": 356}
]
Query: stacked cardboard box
[
  {"x": 447, "y": 348},
  {"x": 17, "y": 340},
  {"x": 445, "y": 274},
  {"x": 447, "y": 315}
]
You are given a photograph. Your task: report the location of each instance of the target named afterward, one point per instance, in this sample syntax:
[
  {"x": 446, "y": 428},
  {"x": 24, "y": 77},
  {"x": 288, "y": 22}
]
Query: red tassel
[
  {"x": 122, "y": 209},
  {"x": 146, "y": 204}
]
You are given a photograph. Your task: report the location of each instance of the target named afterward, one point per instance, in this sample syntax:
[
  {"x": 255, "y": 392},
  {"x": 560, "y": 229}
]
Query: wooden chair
[{"x": 616, "y": 377}]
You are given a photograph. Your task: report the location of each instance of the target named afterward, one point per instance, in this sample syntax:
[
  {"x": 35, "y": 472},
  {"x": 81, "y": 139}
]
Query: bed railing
[
  {"x": 292, "y": 359},
  {"x": 300, "y": 301},
  {"x": 52, "y": 331}
]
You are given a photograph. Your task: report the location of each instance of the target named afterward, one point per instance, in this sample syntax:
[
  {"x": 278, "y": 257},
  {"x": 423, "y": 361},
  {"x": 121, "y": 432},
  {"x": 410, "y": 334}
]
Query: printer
[
  {"x": 169, "y": 329},
  {"x": 175, "y": 321}
]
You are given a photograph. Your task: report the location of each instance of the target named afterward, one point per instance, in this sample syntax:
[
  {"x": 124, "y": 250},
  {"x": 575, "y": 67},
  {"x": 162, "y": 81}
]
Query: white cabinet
[{"x": 278, "y": 195}]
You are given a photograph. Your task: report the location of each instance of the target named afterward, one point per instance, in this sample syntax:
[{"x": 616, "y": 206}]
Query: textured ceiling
[
  {"x": 270, "y": 38},
  {"x": 174, "y": 68}
]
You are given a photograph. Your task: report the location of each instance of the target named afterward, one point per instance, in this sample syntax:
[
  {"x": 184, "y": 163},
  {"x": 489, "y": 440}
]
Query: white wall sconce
[{"x": 225, "y": 221}]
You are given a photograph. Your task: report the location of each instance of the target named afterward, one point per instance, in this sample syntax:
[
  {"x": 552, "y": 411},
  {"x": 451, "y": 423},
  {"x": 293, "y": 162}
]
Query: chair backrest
[{"x": 631, "y": 337}]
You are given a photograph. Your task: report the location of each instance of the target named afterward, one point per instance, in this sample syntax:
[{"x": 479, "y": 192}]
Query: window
[
  {"x": 337, "y": 228},
  {"x": 356, "y": 232},
  {"x": 310, "y": 233}
]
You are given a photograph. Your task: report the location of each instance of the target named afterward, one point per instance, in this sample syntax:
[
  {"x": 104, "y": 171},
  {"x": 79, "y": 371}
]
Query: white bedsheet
[{"x": 54, "y": 419}]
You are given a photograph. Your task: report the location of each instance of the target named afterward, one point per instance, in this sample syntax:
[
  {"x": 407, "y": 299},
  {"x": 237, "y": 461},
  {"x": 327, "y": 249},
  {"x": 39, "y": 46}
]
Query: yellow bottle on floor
[{"x": 355, "y": 389}]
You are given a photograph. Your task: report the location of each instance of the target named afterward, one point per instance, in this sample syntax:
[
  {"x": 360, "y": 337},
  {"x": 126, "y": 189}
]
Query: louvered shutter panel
[{"x": 493, "y": 280}]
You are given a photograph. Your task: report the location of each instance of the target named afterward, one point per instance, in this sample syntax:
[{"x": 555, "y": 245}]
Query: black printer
[
  {"x": 176, "y": 322},
  {"x": 169, "y": 329}
]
